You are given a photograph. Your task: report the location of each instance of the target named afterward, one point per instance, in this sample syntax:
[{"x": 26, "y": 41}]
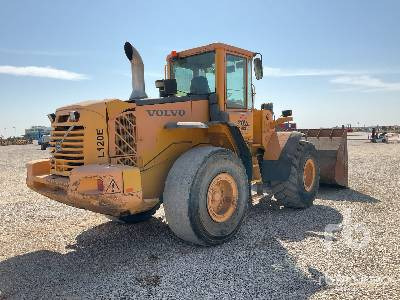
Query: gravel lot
[{"x": 346, "y": 246}]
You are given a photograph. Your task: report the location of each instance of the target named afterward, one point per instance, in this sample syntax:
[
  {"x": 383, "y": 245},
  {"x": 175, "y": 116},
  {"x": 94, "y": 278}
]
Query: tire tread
[{"x": 287, "y": 192}]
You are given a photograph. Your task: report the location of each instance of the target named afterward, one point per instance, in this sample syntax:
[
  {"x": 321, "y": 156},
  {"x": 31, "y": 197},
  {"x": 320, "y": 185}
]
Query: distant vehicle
[
  {"x": 44, "y": 142},
  {"x": 379, "y": 137}
]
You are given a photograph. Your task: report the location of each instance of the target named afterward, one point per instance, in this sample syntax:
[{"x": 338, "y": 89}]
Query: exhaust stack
[{"x": 137, "y": 67}]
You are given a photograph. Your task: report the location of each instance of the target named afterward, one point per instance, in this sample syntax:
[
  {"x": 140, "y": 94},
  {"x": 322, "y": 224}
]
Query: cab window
[
  {"x": 235, "y": 81},
  {"x": 195, "y": 75}
]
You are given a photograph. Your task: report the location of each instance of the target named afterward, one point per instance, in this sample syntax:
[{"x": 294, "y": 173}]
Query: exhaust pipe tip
[
  {"x": 128, "y": 48},
  {"x": 137, "y": 68}
]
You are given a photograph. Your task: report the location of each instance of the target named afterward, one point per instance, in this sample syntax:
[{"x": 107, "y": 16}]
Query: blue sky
[{"x": 332, "y": 62}]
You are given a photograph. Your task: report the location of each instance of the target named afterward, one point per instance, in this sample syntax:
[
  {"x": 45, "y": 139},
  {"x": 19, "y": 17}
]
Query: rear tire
[
  {"x": 206, "y": 195},
  {"x": 300, "y": 189}
]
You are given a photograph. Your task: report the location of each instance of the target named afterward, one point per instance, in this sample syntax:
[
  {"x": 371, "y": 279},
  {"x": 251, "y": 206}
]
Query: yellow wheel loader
[{"x": 196, "y": 149}]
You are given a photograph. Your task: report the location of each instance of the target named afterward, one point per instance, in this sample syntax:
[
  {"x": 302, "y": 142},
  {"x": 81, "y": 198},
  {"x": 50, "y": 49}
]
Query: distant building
[{"x": 36, "y": 132}]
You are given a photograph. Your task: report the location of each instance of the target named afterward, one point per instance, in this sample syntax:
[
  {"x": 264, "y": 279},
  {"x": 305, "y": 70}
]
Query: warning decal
[{"x": 113, "y": 188}]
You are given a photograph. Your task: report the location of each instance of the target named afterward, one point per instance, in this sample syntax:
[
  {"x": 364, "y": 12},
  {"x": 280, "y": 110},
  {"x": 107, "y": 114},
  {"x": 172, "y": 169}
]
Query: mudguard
[
  {"x": 242, "y": 150},
  {"x": 222, "y": 134}
]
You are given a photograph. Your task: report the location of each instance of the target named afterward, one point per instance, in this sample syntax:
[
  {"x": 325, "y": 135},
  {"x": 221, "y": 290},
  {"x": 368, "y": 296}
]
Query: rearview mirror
[{"x": 258, "y": 68}]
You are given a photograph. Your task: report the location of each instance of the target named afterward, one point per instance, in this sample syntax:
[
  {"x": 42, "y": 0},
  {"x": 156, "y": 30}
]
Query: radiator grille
[
  {"x": 125, "y": 151},
  {"x": 66, "y": 149}
]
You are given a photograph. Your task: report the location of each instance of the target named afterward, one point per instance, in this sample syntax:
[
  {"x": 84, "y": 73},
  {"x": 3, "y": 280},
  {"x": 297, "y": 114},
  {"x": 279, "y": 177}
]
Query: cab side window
[{"x": 235, "y": 81}]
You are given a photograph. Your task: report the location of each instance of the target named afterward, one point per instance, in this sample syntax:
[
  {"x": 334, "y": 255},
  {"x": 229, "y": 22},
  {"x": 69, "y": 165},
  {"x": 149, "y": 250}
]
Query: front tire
[
  {"x": 300, "y": 189},
  {"x": 206, "y": 195}
]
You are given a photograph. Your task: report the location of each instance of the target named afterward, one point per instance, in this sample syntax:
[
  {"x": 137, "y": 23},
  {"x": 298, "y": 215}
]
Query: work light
[{"x": 52, "y": 117}]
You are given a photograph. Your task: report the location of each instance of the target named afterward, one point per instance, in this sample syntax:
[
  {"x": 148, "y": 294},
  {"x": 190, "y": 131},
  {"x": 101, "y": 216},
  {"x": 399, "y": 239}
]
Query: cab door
[{"x": 238, "y": 93}]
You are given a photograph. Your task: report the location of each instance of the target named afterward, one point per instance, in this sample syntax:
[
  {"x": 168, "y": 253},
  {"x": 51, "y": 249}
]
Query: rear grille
[
  {"x": 66, "y": 148},
  {"x": 125, "y": 152}
]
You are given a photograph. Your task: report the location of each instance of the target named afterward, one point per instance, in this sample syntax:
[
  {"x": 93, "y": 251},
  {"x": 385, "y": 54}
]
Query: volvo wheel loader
[{"x": 196, "y": 149}]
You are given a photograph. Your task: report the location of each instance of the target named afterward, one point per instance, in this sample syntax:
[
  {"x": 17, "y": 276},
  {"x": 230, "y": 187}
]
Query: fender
[
  {"x": 276, "y": 163},
  {"x": 243, "y": 151},
  {"x": 236, "y": 141},
  {"x": 221, "y": 134}
]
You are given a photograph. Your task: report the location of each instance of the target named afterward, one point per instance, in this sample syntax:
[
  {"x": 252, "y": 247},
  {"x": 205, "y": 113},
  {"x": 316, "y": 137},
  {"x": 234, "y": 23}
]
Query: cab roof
[{"x": 212, "y": 47}]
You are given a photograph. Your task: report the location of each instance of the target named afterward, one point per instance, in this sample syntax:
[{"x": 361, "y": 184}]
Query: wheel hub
[
  {"x": 222, "y": 197},
  {"x": 309, "y": 174}
]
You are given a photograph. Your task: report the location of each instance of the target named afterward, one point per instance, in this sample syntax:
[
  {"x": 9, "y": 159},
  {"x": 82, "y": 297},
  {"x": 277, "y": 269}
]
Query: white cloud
[
  {"x": 278, "y": 72},
  {"x": 39, "y": 52},
  {"x": 360, "y": 80},
  {"x": 367, "y": 83},
  {"x": 47, "y": 72}
]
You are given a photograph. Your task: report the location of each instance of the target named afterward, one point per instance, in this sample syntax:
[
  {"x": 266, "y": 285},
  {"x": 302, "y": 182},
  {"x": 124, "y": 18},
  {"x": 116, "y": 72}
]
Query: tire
[
  {"x": 293, "y": 193},
  {"x": 140, "y": 217},
  {"x": 43, "y": 147},
  {"x": 187, "y": 197}
]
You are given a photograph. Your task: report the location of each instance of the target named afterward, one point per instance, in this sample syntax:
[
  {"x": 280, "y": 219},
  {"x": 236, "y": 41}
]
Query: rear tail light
[{"x": 100, "y": 185}]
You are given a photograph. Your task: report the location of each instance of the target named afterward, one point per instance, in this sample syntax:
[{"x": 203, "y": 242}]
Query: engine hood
[{"x": 86, "y": 104}]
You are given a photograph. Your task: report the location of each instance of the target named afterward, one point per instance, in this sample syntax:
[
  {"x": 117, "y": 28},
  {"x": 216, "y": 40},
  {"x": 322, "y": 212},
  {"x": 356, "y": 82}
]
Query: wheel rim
[
  {"x": 222, "y": 197},
  {"x": 309, "y": 174}
]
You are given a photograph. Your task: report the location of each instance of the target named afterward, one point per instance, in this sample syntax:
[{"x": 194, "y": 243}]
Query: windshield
[{"x": 195, "y": 75}]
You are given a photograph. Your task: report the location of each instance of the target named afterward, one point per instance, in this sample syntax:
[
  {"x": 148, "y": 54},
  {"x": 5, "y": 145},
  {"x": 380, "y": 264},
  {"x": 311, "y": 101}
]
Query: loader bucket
[{"x": 331, "y": 145}]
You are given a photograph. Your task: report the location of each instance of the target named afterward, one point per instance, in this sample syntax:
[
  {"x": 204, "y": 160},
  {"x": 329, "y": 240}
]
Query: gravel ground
[{"x": 346, "y": 246}]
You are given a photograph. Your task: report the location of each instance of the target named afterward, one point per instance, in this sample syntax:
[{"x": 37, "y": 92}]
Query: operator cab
[
  {"x": 222, "y": 74},
  {"x": 216, "y": 68}
]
